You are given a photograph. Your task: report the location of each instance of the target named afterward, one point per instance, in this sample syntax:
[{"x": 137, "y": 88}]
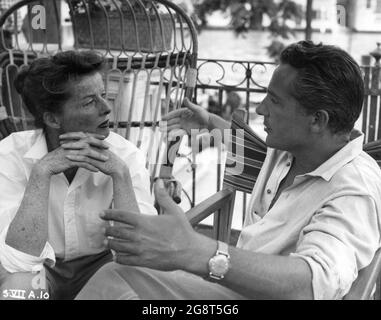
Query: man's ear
[
  {"x": 319, "y": 122},
  {"x": 52, "y": 120}
]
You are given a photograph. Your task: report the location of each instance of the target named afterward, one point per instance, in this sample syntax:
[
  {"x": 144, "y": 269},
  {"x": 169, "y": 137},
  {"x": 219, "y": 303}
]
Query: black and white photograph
[{"x": 190, "y": 154}]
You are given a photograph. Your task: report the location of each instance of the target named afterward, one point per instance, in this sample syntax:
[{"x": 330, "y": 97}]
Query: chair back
[
  {"x": 245, "y": 156},
  {"x": 246, "y": 152},
  {"x": 151, "y": 51}
]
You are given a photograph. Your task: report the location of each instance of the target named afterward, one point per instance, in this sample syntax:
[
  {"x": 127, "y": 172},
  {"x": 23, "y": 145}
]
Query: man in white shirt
[
  {"x": 56, "y": 180},
  {"x": 314, "y": 218}
]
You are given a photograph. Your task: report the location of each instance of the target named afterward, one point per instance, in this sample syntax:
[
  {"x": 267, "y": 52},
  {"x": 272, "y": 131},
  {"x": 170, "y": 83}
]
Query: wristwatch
[{"x": 220, "y": 263}]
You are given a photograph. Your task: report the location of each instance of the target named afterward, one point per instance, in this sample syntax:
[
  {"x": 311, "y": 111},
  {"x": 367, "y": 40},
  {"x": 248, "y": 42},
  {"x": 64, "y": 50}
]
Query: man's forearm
[
  {"x": 256, "y": 275},
  {"x": 219, "y": 124},
  {"x": 261, "y": 276},
  {"x": 28, "y": 231},
  {"x": 216, "y": 122},
  {"x": 124, "y": 195}
]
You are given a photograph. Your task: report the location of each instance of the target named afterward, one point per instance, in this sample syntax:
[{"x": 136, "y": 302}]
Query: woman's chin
[{"x": 103, "y": 131}]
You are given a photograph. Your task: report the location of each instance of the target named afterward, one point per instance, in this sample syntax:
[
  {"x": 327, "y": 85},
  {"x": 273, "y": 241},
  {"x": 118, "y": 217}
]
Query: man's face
[
  {"x": 86, "y": 110},
  {"x": 285, "y": 121}
]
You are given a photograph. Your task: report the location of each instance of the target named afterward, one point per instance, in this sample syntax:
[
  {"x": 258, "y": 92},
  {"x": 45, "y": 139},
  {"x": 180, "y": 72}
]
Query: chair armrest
[{"x": 209, "y": 206}]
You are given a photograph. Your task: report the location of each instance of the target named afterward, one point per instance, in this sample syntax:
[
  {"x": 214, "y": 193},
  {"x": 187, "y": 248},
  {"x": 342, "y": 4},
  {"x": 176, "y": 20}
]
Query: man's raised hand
[{"x": 182, "y": 121}]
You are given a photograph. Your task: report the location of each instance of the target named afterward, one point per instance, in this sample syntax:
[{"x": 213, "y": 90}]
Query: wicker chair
[{"x": 151, "y": 52}]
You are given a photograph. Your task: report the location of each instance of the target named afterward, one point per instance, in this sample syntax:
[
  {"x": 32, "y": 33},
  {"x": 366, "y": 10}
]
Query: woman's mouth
[{"x": 104, "y": 124}]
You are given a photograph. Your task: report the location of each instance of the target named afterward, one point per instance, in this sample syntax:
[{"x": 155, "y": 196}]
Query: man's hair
[
  {"x": 44, "y": 85},
  {"x": 328, "y": 79}
]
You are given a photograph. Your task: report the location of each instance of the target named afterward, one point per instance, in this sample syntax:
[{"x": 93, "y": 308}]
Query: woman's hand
[
  {"x": 85, "y": 146},
  {"x": 110, "y": 164}
]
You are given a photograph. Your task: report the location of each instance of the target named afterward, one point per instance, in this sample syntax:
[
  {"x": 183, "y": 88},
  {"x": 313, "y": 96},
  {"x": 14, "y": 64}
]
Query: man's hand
[
  {"x": 182, "y": 121},
  {"x": 75, "y": 143},
  {"x": 165, "y": 242}
]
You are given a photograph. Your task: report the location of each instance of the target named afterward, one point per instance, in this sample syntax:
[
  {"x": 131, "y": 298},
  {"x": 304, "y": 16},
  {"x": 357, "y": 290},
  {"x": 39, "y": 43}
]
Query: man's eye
[
  {"x": 273, "y": 100},
  {"x": 103, "y": 95}
]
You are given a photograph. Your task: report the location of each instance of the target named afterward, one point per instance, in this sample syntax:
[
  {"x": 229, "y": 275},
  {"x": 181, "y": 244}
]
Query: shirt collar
[
  {"x": 39, "y": 148},
  {"x": 352, "y": 150}
]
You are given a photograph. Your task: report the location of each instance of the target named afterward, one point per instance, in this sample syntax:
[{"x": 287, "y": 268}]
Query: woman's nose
[{"x": 104, "y": 106}]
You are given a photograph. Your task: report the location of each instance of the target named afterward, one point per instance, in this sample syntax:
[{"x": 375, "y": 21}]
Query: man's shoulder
[
  {"x": 362, "y": 174},
  {"x": 364, "y": 165}
]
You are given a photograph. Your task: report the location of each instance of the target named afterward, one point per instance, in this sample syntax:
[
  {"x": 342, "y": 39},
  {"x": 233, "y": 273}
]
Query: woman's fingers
[
  {"x": 80, "y": 135},
  {"x": 85, "y": 165},
  {"x": 81, "y": 155},
  {"x": 85, "y": 143}
]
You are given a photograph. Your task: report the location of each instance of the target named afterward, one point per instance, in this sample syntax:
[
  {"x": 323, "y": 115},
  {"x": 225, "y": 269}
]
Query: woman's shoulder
[
  {"x": 19, "y": 141},
  {"x": 121, "y": 144}
]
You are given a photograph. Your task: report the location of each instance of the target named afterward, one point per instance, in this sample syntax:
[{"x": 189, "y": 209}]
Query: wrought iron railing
[{"x": 217, "y": 80}]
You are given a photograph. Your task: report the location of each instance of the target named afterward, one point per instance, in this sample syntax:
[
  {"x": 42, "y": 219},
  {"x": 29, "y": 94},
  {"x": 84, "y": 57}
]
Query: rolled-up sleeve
[
  {"x": 340, "y": 240},
  {"x": 14, "y": 260},
  {"x": 12, "y": 188}
]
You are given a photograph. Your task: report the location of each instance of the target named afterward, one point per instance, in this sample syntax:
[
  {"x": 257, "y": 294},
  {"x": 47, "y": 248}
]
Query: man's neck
[{"x": 318, "y": 152}]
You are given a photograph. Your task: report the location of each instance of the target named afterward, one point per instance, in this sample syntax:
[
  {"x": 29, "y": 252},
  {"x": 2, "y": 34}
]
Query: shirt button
[
  {"x": 288, "y": 164},
  {"x": 268, "y": 191}
]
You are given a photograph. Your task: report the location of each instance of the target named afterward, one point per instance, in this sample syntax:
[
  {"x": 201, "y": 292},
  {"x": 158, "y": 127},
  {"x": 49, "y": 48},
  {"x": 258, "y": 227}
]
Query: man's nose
[{"x": 260, "y": 109}]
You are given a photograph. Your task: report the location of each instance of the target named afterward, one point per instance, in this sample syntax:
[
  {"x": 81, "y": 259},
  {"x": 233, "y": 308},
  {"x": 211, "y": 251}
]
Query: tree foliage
[{"x": 248, "y": 14}]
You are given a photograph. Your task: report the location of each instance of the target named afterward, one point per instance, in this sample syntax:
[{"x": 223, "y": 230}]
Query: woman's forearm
[{"x": 28, "y": 231}]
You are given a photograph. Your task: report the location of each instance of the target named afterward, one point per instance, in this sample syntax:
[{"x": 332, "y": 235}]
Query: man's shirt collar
[{"x": 329, "y": 168}]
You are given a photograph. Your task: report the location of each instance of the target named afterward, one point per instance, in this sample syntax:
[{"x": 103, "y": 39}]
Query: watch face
[{"x": 219, "y": 265}]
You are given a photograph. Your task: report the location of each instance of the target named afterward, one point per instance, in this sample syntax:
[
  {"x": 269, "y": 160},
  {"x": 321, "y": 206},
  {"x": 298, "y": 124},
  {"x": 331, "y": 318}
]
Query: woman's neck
[{"x": 52, "y": 138}]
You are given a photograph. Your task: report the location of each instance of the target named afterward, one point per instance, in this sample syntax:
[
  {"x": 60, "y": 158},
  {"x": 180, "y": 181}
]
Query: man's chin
[{"x": 273, "y": 144}]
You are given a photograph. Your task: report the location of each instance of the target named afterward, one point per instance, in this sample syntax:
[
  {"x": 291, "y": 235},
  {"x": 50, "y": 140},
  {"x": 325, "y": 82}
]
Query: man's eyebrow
[{"x": 272, "y": 93}]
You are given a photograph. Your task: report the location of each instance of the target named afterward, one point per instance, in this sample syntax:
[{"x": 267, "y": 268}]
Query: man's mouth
[{"x": 105, "y": 124}]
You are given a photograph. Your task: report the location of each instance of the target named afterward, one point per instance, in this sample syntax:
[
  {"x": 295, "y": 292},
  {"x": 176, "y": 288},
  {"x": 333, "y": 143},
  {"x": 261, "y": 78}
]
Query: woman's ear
[
  {"x": 320, "y": 120},
  {"x": 52, "y": 120}
]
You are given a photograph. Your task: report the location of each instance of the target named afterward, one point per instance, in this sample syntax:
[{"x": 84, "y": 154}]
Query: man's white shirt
[{"x": 330, "y": 217}]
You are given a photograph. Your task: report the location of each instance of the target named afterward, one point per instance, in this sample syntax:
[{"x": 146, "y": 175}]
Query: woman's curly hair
[{"x": 44, "y": 85}]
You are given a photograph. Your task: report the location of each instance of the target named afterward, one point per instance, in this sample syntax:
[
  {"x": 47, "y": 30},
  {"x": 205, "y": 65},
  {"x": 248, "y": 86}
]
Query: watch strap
[{"x": 223, "y": 248}]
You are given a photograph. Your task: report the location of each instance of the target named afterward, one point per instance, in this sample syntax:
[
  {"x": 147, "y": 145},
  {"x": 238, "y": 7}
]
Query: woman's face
[{"x": 86, "y": 110}]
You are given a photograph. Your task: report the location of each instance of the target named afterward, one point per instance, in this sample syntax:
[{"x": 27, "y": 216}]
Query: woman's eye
[
  {"x": 103, "y": 95},
  {"x": 88, "y": 103}
]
